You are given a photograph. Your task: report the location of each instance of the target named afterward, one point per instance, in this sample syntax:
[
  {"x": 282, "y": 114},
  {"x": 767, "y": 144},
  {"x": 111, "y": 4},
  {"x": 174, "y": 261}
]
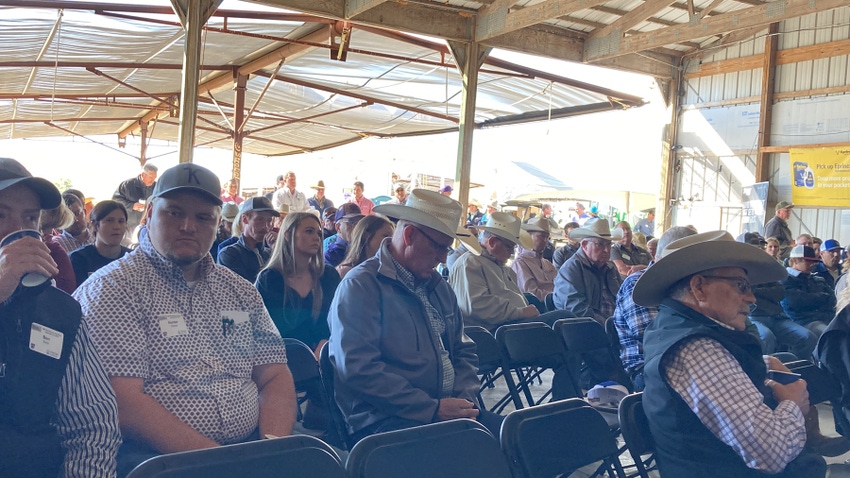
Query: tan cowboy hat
[
  {"x": 430, "y": 209},
  {"x": 700, "y": 252},
  {"x": 475, "y": 203},
  {"x": 507, "y": 226},
  {"x": 538, "y": 224},
  {"x": 596, "y": 228},
  {"x": 283, "y": 209},
  {"x": 319, "y": 185}
]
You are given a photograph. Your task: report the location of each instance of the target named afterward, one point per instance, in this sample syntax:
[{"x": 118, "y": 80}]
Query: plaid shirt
[
  {"x": 438, "y": 326},
  {"x": 631, "y": 320},
  {"x": 715, "y": 387}
]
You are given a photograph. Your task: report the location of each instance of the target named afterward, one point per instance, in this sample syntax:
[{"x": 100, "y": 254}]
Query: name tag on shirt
[
  {"x": 46, "y": 341},
  {"x": 625, "y": 256},
  {"x": 237, "y": 316},
  {"x": 172, "y": 325}
]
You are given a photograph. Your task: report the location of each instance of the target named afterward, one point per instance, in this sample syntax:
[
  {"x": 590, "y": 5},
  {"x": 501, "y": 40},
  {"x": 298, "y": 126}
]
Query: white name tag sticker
[
  {"x": 46, "y": 341},
  {"x": 237, "y": 316},
  {"x": 172, "y": 325}
]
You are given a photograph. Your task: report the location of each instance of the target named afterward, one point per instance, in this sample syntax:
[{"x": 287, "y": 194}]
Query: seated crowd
[{"x": 176, "y": 344}]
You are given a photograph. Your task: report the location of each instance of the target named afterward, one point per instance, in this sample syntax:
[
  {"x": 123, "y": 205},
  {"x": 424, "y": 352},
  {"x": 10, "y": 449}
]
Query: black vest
[
  {"x": 685, "y": 447},
  {"x": 30, "y": 381}
]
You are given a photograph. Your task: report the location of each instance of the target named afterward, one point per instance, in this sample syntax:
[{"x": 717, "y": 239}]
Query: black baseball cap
[{"x": 13, "y": 172}]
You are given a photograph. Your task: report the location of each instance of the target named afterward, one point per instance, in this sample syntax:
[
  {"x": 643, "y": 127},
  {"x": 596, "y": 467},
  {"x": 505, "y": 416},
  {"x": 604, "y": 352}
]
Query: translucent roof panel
[{"x": 84, "y": 72}]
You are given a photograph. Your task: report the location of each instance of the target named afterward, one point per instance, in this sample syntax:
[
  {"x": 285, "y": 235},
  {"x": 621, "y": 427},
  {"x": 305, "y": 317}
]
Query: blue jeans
[{"x": 780, "y": 329}]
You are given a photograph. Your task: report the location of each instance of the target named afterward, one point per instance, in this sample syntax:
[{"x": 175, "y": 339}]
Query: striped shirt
[{"x": 87, "y": 416}]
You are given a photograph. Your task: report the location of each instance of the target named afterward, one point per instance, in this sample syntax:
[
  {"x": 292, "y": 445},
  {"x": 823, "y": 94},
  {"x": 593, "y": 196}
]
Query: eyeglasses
[
  {"x": 439, "y": 248},
  {"x": 601, "y": 244},
  {"x": 740, "y": 283}
]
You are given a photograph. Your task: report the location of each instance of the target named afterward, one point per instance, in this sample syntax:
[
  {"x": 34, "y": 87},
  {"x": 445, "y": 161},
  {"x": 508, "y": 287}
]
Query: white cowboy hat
[
  {"x": 700, "y": 252},
  {"x": 430, "y": 209},
  {"x": 538, "y": 224},
  {"x": 507, "y": 226},
  {"x": 319, "y": 185},
  {"x": 596, "y": 228},
  {"x": 470, "y": 241}
]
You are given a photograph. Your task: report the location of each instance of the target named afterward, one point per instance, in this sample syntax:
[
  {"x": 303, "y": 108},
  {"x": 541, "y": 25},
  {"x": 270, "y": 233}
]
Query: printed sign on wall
[{"x": 821, "y": 176}]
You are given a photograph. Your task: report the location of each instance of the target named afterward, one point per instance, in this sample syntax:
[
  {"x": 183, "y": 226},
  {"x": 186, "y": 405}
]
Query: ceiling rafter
[
  {"x": 356, "y": 7},
  {"x": 498, "y": 20},
  {"x": 761, "y": 15},
  {"x": 630, "y": 19}
]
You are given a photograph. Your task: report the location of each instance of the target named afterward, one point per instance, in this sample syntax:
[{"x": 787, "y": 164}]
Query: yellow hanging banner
[{"x": 820, "y": 176}]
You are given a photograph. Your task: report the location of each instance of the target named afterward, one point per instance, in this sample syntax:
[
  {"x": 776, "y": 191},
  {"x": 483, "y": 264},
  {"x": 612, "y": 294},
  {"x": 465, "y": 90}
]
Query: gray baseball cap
[
  {"x": 258, "y": 204},
  {"x": 13, "y": 172},
  {"x": 189, "y": 177}
]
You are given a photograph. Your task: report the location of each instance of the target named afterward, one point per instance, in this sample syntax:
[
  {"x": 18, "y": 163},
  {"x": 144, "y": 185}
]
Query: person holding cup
[{"x": 57, "y": 403}]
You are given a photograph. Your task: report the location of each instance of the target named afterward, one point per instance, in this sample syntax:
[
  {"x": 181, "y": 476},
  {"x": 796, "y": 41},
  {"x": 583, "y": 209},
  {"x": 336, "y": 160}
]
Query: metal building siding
[{"x": 706, "y": 191}]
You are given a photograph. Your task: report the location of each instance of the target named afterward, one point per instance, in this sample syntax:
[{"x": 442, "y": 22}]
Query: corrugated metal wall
[{"x": 710, "y": 179}]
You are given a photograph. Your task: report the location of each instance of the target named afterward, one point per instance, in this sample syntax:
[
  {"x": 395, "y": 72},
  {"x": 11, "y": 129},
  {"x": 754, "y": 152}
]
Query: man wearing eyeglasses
[
  {"x": 487, "y": 292},
  {"x": 588, "y": 282},
  {"x": 397, "y": 345},
  {"x": 712, "y": 407}
]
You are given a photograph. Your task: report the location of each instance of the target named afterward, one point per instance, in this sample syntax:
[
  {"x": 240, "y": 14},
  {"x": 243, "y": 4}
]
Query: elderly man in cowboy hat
[
  {"x": 588, "y": 282},
  {"x": 712, "y": 407},
  {"x": 535, "y": 275},
  {"x": 486, "y": 289},
  {"x": 319, "y": 202},
  {"x": 400, "y": 356}
]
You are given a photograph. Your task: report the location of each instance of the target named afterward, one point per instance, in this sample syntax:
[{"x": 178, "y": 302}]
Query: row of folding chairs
[
  {"x": 519, "y": 353},
  {"x": 544, "y": 441}
]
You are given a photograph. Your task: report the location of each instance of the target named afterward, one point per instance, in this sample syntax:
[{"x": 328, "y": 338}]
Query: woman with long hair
[
  {"x": 109, "y": 222},
  {"x": 296, "y": 285},
  {"x": 50, "y": 222},
  {"x": 365, "y": 241},
  {"x": 771, "y": 246}
]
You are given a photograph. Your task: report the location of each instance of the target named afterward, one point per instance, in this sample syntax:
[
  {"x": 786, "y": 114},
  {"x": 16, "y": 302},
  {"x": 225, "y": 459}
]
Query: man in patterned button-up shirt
[{"x": 191, "y": 352}]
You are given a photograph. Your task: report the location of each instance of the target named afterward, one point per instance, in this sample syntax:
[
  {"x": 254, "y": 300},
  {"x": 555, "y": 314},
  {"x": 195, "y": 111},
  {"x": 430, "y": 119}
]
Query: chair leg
[{"x": 512, "y": 387}]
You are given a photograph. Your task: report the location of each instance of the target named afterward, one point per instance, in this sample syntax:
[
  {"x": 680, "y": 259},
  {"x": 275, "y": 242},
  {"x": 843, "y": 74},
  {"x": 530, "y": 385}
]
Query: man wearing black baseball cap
[
  {"x": 191, "y": 352},
  {"x": 59, "y": 414}
]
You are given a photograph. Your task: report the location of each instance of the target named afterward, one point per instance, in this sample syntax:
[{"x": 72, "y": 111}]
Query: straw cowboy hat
[
  {"x": 538, "y": 224},
  {"x": 596, "y": 228},
  {"x": 430, "y": 209},
  {"x": 318, "y": 185},
  {"x": 507, "y": 226},
  {"x": 700, "y": 252}
]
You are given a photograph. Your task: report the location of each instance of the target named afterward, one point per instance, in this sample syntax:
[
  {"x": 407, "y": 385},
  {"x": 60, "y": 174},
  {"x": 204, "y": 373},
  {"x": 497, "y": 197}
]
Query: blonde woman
[
  {"x": 296, "y": 285},
  {"x": 771, "y": 246},
  {"x": 365, "y": 241}
]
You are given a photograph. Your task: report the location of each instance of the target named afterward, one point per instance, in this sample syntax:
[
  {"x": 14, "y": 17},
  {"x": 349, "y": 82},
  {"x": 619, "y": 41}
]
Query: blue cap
[{"x": 830, "y": 245}]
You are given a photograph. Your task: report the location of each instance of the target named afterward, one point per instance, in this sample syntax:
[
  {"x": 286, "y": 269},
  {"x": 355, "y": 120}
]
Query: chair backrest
[
  {"x": 555, "y": 438},
  {"x": 488, "y": 350},
  {"x": 613, "y": 336},
  {"x": 582, "y": 335},
  {"x": 635, "y": 426},
  {"x": 451, "y": 449},
  {"x": 588, "y": 336},
  {"x": 298, "y": 455},
  {"x": 302, "y": 364},
  {"x": 530, "y": 344},
  {"x": 549, "y": 300},
  {"x": 327, "y": 368}
]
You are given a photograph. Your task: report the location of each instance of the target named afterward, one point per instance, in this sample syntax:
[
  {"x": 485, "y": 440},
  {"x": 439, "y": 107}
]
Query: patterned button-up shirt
[
  {"x": 71, "y": 243},
  {"x": 438, "y": 326},
  {"x": 199, "y": 369}
]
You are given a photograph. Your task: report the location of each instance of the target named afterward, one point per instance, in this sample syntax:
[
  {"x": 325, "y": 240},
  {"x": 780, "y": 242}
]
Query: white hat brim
[
  {"x": 524, "y": 240},
  {"x": 653, "y": 285},
  {"x": 416, "y": 216}
]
